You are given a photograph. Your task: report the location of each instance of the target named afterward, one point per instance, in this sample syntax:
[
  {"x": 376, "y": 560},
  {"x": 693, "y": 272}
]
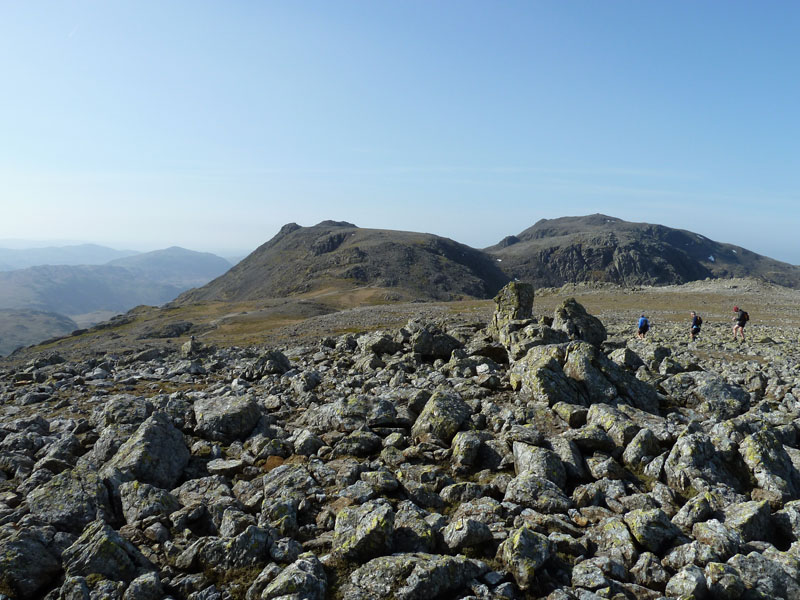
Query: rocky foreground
[{"x": 519, "y": 459}]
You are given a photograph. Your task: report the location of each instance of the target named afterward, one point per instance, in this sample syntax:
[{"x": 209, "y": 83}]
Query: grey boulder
[
  {"x": 26, "y": 564},
  {"x": 304, "y": 579},
  {"x": 227, "y": 418},
  {"x": 443, "y": 416},
  {"x": 364, "y": 531},
  {"x": 156, "y": 453},
  {"x": 71, "y": 500},
  {"x": 416, "y": 576},
  {"x": 101, "y": 550},
  {"x": 571, "y": 318}
]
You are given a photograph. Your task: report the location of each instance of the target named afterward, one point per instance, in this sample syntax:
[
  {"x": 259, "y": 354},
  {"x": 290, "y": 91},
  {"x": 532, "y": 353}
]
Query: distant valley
[{"x": 87, "y": 294}]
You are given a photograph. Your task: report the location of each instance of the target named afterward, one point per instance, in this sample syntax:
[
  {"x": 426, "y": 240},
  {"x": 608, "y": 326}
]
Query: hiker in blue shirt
[
  {"x": 644, "y": 325},
  {"x": 694, "y": 328}
]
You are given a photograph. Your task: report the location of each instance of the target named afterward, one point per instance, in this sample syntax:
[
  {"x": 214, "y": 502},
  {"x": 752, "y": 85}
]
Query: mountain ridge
[
  {"x": 410, "y": 265},
  {"x": 598, "y": 247},
  {"x": 304, "y": 272},
  {"x": 552, "y": 252},
  {"x": 78, "y": 254}
]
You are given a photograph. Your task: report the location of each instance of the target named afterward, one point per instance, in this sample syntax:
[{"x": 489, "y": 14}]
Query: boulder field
[{"x": 520, "y": 458}]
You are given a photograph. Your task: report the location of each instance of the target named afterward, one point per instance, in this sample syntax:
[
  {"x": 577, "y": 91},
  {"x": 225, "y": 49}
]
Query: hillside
[
  {"x": 22, "y": 327},
  {"x": 89, "y": 293},
  {"x": 337, "y": 255},
  {"x": 74, "y": 290},
  {"x": 308, "y": 273},
  {"x": 601, "y": 248},
  {"x": 176, "y": 266}
]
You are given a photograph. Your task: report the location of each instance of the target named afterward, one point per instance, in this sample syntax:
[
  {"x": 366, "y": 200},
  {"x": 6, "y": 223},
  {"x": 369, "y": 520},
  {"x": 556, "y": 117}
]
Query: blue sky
[{"x": 210, "y": 124}]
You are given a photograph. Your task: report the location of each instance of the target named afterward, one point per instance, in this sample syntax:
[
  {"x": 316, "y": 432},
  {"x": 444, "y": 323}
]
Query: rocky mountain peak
[
  {"x": 329, "y": 223},
  {"x": 602, "y": 248}
]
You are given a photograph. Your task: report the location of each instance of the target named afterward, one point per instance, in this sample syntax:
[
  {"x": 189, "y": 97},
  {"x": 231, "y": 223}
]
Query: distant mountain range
[
  {"x": 175, "y": 266},
  {"x": 89, "y": 293},
  {"x": 149, "y": 278},
  {"x": 335, "y": 255},
  {"x": 82, "y": 254},
  {"x": 337, "y": 264}
]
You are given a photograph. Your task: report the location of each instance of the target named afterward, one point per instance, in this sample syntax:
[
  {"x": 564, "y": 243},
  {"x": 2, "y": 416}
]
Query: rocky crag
[
  {"x": 521, "y": 458},
  {"x": 602, "y": 248}
]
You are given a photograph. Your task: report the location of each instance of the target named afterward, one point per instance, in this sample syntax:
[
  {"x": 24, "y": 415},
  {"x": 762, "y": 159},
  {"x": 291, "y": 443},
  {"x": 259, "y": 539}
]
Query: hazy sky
[{"x": 210, "y": 124}]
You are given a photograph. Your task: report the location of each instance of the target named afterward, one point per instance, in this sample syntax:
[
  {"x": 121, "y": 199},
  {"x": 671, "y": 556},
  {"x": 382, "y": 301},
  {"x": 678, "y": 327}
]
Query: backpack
[
  {"x": 699, "y": 320},
  {"x": 745, "y": 316}
]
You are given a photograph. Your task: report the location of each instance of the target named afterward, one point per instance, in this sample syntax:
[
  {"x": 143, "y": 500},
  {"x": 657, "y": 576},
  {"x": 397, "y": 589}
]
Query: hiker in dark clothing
[
  {"x": 694, "y": 328},
  {"x": 644, "y": 325},
  {"x": 740, "y": 320}
]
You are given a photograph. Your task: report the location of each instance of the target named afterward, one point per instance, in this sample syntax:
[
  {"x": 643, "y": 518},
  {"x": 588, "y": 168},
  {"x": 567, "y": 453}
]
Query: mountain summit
[
  {"x": 335, "y": 255},
  {"x": 601, "y": 248}
]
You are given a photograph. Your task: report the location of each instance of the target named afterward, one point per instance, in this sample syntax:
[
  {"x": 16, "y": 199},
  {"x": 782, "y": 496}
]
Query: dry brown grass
[
  {"x": 334, "y": 310},
  {"x": 766, "y": 304}
]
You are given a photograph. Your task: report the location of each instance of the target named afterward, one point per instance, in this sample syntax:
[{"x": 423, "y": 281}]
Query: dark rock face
[
  {"x": 402, "y": 464},
  {"x": 28, "y": 566},
  {"x": 599, "y": 248}
]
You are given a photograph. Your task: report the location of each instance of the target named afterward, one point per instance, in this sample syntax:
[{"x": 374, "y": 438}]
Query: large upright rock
[
  {"x": 514, "y": 307},
  {"x": 514, "y": 303},
  {"x": 572, "y": 318}
]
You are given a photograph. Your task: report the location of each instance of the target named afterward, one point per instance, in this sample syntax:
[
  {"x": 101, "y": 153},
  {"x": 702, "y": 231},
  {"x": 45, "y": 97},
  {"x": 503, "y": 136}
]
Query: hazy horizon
[
  {"x": 243, "y": 252},
  {"x": 142, "y": 125}
]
